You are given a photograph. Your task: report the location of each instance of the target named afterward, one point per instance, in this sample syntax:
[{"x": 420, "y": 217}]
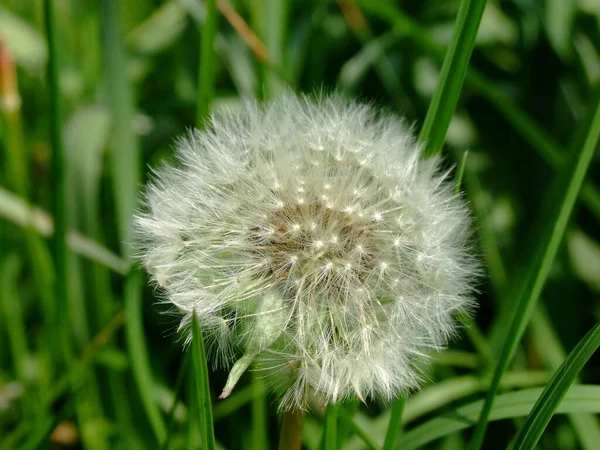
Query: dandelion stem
[{"x": 291, "y": 430}]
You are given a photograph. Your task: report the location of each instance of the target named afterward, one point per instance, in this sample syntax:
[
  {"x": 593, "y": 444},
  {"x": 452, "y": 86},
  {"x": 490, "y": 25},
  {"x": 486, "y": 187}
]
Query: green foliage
[{"x": 86, "y": 351}]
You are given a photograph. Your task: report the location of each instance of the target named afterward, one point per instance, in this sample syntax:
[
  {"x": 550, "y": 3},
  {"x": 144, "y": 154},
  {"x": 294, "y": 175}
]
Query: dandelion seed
[{"x": 309, "y": 236}]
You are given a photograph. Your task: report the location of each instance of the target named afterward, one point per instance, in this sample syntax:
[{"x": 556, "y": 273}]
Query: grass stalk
[
  {"x": 452, "y": 76},
  {"x": 60, "y": 310},
  {"x": 539, "y": 417},
  {"x": 203, "y": 396},
  {"x": 126, "y": 178}
]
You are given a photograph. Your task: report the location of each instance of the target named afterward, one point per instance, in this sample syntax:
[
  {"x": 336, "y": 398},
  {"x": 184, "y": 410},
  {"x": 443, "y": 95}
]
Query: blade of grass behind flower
[
  {"x": 538, "y": 419},
  {"x": 452, "y": 75},
  {"x": 125, "y": 178},
  {"x": 202, "y": 387},
  {"x": 547, "y": 244},
  {"x": 17, "y": 174},
  {"x": 86, "y": 137}
]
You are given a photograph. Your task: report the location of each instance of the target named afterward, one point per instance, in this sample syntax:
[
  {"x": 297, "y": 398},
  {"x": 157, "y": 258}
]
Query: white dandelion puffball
[{"x": 310, "y": 234}]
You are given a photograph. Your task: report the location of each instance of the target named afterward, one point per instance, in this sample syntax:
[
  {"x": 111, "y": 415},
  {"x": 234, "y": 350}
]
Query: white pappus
[{"x": 311, "y": 236}]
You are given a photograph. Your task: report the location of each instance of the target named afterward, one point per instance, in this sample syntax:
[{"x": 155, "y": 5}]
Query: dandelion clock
[{"x": 311, "y": 238}]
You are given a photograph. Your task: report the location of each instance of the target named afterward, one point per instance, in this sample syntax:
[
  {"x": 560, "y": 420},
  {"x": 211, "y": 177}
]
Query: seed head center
[{"x": 311, "y": 238}]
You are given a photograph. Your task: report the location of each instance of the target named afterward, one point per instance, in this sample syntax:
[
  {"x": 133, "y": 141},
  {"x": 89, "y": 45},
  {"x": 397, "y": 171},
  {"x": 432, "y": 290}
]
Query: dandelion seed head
[{"x": 310, "y": 234}]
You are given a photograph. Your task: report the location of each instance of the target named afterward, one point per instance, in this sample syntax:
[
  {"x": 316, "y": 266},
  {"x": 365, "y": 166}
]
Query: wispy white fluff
[{"x": 310, "y": 235}]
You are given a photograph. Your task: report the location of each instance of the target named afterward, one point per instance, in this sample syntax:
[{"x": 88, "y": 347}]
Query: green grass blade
[
  {"x": 206, "y": 92},
  {"x": 460, "y": 172},
  {"x": 329, "y": 441},
  {"x": 41, "y": 434},
  {"x": 393, "y": 431},
  {"x": 535, "y": 277},
  {"x": 60, "y": 314},
  {"x": 16, "y": 210},
  {"x": 552, "y": 353},
  {"x": 579, "y": 399},
  {"x": 206, "y": 72},
  {"x": 452, "y": 75},
  {"x": 126, "y": 177},
  {"x": 138, "y": 353},
  {"x": 202, "y": 387},
  {"x": 125, "y": 157},
  {"x": 12, "y": 310},
  {"x": 537, "y": 421},
  {"x": 440, "y": 395}
]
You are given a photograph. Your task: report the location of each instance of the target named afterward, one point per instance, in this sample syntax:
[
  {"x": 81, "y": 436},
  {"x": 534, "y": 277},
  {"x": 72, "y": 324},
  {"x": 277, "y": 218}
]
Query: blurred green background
[{"x": 99, "y": 366}]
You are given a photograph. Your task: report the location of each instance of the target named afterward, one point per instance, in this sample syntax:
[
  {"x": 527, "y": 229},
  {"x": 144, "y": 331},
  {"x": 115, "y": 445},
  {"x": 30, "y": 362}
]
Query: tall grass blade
[
  {"x": 552, "y": 353},
  {"x": 202, "y": 387},
  {"x": 59, "y": 195},
  {"x": 206, "y": 93},
  {"x": 393, "y": 431},
  {"x": 126, "y": 177},
  {"x": 452, "y": 75},
  {"x": 537, "y": 421},
  {"x": 547, "y": 244}
]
